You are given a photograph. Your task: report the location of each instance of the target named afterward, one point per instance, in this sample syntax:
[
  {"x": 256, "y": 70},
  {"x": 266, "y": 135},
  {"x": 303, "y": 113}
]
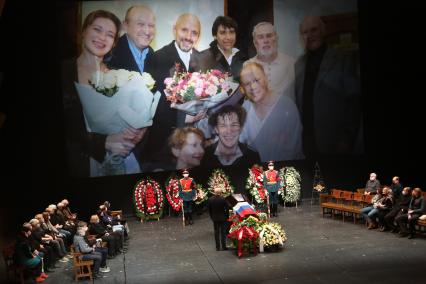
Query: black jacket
[{"x": 218, "y": 209}]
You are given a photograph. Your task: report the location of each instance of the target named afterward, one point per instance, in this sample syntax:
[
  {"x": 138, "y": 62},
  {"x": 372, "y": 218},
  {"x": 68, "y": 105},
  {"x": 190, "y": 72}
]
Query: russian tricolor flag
[{"x": 243, "y": 209}]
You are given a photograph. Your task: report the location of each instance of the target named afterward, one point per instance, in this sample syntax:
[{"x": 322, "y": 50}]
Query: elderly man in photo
[
  {"x": 132, "y": 51},
  {"x": 279, "y": 67}
]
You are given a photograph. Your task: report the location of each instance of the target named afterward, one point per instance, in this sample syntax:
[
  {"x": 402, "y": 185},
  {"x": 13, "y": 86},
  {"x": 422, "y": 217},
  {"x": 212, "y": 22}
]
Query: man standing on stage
[
  {"x": 188, "y": 193},
  {"x": 219, "y": 213},
  {"x": 271, "y": 181}
]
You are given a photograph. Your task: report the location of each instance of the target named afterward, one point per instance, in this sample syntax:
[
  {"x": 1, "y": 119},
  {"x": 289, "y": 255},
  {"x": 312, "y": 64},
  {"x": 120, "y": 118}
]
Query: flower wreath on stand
[
  {"x": 148, "y": 199},
  {"x": 254, "y": 184},
  {"x": 172, "y": 194},
  {"x": 290, "y": 182},
  {"x": 221, "y": 180}
]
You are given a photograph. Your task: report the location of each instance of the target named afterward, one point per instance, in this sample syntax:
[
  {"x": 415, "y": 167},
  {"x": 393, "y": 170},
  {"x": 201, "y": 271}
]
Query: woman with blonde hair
[{"x": 273, "y": 126}]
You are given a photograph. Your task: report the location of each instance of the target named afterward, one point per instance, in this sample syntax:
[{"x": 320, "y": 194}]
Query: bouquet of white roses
[
  {"x": 192, "y": 92},
  {"x": 118, "y": 99}
]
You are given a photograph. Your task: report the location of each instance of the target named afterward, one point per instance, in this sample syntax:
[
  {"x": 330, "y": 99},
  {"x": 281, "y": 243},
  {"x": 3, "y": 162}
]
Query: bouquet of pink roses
[{"x": 192, "y": 92}]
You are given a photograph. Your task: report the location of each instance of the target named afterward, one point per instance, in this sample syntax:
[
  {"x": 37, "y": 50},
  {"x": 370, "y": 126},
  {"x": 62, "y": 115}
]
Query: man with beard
[
  {"x": 279, "y": 67},
  {"x": 180, "y": 52}
]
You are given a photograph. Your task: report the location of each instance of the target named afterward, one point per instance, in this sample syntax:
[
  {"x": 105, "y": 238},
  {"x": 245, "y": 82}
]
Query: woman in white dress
[{"x": 273, "y": 126}]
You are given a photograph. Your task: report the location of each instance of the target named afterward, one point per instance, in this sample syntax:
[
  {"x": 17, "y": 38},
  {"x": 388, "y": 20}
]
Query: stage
[{"x": 318, "y": 250}]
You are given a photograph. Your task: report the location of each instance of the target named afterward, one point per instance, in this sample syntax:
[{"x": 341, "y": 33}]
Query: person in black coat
[
  {"x": 219, "y": 213},
  {"x": 114, "y": 240},
  {"x": 400, "y": 207},
  {"x": 181, "y": 54}
]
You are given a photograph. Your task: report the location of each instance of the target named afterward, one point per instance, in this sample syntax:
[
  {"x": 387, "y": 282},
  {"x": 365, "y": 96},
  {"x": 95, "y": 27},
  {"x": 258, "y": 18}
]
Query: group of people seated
[
  {"x": 394, "y": 208},
  {"x": 48, "y": 237}
]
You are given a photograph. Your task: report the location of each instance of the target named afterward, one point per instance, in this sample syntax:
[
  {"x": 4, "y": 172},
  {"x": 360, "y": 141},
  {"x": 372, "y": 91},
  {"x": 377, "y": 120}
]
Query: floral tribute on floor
[{"x": 148, "y": 199}]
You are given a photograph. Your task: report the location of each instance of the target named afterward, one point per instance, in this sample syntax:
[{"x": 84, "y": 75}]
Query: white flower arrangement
[
  {"x": 108, "y": 83},
  {"x": 271, "y": 234},
  {"x": 290, "y": 182}
]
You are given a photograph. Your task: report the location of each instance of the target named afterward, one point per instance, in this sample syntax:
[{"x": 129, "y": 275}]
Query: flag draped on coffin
[{"x": 243, "y": 209}]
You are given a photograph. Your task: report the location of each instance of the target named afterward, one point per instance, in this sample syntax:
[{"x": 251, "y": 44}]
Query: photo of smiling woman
[
  {"x": 273, "y": 126},
  {"x": 86, "y": 149}
]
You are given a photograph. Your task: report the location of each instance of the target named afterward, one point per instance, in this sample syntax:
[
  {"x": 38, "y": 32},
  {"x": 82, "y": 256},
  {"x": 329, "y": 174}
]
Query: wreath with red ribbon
[
  {"x": 148, "y": 199},
  {"x": 172, "y": 194},
  {"x": 254, "y": 184}
]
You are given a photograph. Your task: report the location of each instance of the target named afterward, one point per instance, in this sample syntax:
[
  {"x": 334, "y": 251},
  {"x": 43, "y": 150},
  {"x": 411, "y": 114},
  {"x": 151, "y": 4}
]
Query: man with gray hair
[
  {"x": 279, "y": 67},
  {"x": 328, "y": 94}
]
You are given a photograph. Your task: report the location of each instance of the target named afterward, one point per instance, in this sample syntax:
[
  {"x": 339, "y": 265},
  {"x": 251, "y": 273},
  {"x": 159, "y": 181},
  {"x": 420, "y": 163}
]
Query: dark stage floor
[{"x": 318, "y": 250}]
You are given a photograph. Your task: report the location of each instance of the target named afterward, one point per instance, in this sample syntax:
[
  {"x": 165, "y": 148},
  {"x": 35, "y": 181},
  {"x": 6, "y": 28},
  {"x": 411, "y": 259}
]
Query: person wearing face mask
[
  {"x": 188, "y": 193},
  {"x": 181, "y": 54},
  {"x": 400, "y": 207},
  {"x": 271, "y": 182},
  {"x": 272, "y": 127}
]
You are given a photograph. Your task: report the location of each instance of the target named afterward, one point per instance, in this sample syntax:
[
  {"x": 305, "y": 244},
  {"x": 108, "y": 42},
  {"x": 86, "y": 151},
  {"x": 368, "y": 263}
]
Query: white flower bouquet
[
  {"x": 271, "y": 234},
  {"x": 192, "y": 92},
  {"x": 118, "y": 99}
]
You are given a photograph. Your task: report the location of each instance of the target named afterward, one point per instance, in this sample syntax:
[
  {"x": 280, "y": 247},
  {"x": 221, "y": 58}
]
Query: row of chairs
[
  {"x": 345, "y": 202},
  {"x": 350, "y": 203}
]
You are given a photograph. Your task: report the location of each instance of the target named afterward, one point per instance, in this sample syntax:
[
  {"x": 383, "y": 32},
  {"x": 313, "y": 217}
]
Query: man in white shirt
[
  {"x": 279, "y": 67},
  {"x": 180, "y": 51}
]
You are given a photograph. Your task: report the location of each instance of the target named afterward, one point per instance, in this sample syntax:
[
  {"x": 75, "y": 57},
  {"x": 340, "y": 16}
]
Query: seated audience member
[
  {"x": 371, "y": 210},
  {"x": 90, "y": 253},
  {"x": 113, "y": 240},
  {"x": 383, "y": 206},
  {"x": 56, "y": 221},
  {"x": 396, "y": 187},
  {"x": 416, "y": 209},
  {"x": 47, "y": 240},
  {"x": 372, "y": 184},
  {"x": 111, "y": 222},
  {"x": 61, "y": 213},
  {"x": 67, "y": 211},
  {"x": 400, "y": 207},
  {"x": 49, "y": 257},
  {"x": 27, "y": 257}
]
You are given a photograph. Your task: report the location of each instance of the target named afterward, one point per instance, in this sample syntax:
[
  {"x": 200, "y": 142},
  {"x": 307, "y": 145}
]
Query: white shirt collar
[
  {"x": 233, "y": 52},
  {"x": 184, "y": 56}
]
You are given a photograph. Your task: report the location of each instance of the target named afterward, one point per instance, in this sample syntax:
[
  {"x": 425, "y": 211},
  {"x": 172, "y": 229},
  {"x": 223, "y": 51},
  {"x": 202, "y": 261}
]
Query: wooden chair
[
  {"x": 82, "y": 268},
  {"x": 357, "y": 204},
  {"x": 360, "y": 190},
  {"x": 13, "y": 270},
  {"x": 346, "y": 203}
]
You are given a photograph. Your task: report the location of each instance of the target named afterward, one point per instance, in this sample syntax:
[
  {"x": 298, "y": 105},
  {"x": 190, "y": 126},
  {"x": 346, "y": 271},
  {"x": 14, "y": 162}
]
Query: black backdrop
[{"x": 33, "y": 172}]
